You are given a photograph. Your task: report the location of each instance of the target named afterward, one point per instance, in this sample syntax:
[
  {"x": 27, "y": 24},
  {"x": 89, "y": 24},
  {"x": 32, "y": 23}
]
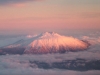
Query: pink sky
[{"x": 49, "y": 15}]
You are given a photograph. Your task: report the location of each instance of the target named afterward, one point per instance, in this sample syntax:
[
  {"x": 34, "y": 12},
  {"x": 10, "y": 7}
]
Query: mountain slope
[
  {"x": 51, "y": 42},
  {"x": 48, "y": 42}
]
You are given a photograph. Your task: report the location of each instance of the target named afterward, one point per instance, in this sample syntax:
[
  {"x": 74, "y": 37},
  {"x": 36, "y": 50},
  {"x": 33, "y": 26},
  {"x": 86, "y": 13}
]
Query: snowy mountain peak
[
  {"x": 49, "y": 34},
  {"x": 50, "y": 42}
]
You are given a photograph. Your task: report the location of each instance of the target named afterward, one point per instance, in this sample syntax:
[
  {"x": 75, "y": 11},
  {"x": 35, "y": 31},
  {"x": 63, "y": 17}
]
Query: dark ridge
[
  {"x": 78, "y": 65},
  {"x": 5, "y": 51}
]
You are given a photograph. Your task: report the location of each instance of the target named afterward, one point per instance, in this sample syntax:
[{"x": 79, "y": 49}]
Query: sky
[{"x": 35, "y": 16}]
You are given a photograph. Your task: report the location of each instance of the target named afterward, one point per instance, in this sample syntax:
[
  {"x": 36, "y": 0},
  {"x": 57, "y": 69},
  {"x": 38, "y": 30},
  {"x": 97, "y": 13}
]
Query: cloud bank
[{"x": 26, "y": 64}]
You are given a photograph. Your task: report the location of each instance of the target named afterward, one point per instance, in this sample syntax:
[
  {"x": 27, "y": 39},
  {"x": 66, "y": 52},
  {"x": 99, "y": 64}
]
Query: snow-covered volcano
[{"x": 50, "y": 42}]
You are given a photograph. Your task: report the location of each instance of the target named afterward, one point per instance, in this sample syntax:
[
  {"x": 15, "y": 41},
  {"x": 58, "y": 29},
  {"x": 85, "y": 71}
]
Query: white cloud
[{"x": 92, "y": 40}]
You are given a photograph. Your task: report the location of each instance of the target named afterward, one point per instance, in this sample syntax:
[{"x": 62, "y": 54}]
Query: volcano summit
[
  {"x": 48, "y": 42},
  {"x": 51, "y": 42}
]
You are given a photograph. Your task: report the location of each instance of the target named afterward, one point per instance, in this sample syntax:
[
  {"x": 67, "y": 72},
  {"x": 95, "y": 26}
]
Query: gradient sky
[{"x": 31, "y": 16}]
